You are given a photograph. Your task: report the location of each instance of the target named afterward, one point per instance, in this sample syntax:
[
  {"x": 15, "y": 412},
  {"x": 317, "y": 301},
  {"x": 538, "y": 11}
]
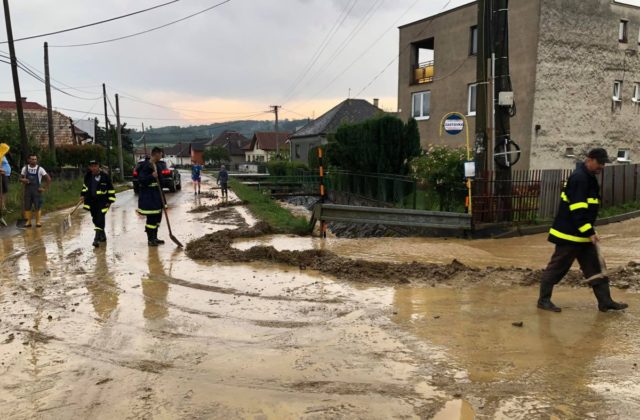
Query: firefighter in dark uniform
[
  {"x": 150, "y": 203},
  {"x": 98, "y": 195},
  {"x": 575, "y": 237}
]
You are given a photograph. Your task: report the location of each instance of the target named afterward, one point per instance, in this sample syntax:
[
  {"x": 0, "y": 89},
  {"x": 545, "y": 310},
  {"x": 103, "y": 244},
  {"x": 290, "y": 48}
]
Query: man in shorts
[{"x": 196, "y": 170}]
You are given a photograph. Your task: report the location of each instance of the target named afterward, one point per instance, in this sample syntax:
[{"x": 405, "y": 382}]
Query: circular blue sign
[{"x": 454, "y": 125}]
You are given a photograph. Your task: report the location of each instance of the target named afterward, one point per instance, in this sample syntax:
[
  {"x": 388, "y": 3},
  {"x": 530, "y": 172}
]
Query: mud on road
[{"x": 219, "y": 247}]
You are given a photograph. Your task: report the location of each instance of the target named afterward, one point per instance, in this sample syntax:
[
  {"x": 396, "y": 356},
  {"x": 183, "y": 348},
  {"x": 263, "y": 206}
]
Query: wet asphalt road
[{"x": 125, "y": 331}]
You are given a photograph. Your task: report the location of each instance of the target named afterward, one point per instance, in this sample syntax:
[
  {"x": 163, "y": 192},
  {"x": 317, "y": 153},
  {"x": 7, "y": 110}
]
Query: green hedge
[
  {"x": 70, "y": 155},
  {"x": 285, "y": 168}
]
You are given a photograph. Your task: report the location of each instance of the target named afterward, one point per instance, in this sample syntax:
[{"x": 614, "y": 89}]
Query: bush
[
  {"x": 72, "y": 155},
  {"x": 313, "y": 160},
  {"x": 381, "y": 145},
  {"x": 442, "y": 170},
  {"x": 285, "y": 168}
]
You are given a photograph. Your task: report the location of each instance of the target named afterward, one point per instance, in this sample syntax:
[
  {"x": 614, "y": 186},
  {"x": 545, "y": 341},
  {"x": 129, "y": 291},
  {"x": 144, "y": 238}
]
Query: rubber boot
[
  {"x": 103, "y": 236},
  {"x": 38, "y": 218},
  {"x": 151, "y": 241},
  {"x": 544, "y": 301},
  {"x": 96, "y": 239},
  {"x": 28, "y": 215},
  {"x": 155, "y": 237},
  {"x": 603, "y": 294}
]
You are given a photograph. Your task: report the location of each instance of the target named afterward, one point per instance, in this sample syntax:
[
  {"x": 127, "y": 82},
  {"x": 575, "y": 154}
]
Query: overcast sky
[{"x": 229, "y": 63}]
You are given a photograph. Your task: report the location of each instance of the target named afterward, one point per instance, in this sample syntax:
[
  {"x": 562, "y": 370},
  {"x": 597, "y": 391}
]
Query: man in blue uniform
[
  {"x": 575, "y": 237},
  {"x": 223, "y": 180},
  {"x": 98, "y": 195},
  {"x": 196, "y": 170},
  {"x": 150, "y": 202}
]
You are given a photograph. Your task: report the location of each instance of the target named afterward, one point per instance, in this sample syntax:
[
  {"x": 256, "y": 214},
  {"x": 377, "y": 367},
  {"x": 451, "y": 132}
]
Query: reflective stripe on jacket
[
  {"x": 105, "y": 194},
  {"x": 578, "y": 210},
  {"x": 149, "y": 198}
]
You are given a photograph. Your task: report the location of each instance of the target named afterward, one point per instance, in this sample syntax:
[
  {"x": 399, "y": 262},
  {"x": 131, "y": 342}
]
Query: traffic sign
[{"x": 454, "y": 125}]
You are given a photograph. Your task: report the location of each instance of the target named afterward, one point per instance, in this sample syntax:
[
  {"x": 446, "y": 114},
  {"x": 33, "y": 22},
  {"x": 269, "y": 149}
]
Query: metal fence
[
  {"x": 384, "y": 189},
  {"x": 534, "y": 195}
]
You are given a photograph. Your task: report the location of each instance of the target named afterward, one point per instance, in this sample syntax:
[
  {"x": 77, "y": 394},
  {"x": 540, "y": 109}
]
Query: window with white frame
[
  {"x": 623, "y": 31},
  {"x": 472, "y": 99},
  {"x": 617, "y": 90},
  {"x": 636, "y": 93},
  {"x": 421, "y": 105}
]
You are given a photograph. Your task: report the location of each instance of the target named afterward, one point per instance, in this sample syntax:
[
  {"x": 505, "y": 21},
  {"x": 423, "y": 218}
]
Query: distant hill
[{"x": 173, "y": 135}]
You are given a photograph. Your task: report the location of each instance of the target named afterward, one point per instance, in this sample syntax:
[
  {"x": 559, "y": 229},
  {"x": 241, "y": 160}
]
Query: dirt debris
[
  {"x": 205, "y": 209},
  {"x": 218, "y": 246}
]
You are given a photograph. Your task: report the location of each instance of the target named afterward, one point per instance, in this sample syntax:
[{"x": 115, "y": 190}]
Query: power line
[
  {"x": 92, "y": 24},
  {"x": 365, "y": 51},
  {"x": 142, "y": 32},
  {"x": 323, "y": 45},
  {"x": 151, "y": 118},
  {"x": 142, "y": 101}
]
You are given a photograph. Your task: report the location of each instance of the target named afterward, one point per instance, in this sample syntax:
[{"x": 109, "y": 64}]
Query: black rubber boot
[
  {"x": 155, "y": 237},
  {"x": 603, "y": 294},
  {"x": 96, "y": 239},
  {"x": 544, "y": 301},
  {"x": 151, "y": 241},
  {"x": 103, "y": 236}
]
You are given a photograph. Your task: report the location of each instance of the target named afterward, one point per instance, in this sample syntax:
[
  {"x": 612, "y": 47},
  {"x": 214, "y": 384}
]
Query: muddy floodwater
[{"x": 129, "y": 332}]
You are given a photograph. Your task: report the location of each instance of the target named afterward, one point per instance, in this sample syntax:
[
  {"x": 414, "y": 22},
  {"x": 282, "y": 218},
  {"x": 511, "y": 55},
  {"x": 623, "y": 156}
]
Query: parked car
[{"x": 169, "y": 176}]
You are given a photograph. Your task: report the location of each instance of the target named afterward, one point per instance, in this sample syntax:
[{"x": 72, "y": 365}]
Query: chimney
[{"x": 376, "y": 101}]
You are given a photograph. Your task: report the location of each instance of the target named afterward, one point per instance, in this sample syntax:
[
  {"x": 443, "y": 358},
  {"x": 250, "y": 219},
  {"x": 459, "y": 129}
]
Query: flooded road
[{"x": 127, "y": 331}]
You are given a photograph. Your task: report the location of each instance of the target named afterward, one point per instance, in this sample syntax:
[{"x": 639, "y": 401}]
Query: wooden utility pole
[
  {"x": 503, "y": 112},
  {"x": 16, "y": 86},
  {"x": 482, "y": 96},
  {"x": 106, "y": 128},
  {"x": 47, "y": 84},
  {"x": 119, "y": 133},
  {"x": 275, "y": 111},
  {"x": 144, "y": 141}
]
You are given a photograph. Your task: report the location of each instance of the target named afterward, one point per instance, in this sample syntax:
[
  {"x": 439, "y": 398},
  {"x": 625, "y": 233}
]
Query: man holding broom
[
  {"x": 575, "y": 237},
  {"x": 150, "y": 203},
  {"x": 98, "y": 195}
]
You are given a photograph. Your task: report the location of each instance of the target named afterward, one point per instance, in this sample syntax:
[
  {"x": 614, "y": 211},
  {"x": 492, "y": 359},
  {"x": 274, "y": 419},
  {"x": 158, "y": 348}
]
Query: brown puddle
[{"x": 131, "y": 332}]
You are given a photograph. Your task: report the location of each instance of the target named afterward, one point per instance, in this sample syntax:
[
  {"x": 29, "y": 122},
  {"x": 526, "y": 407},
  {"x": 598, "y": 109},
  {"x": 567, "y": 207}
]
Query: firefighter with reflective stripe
[
  {"x": 150, "y": 202},
  {"x": 574, "y": 235},
  {"x": 98, "y": 195}
]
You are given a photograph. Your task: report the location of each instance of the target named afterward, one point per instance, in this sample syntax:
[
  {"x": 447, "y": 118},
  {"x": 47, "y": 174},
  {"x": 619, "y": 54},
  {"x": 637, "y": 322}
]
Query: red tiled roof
[
  {"x": 266, "y": 140},
  {"x": 11, "y": 105}
]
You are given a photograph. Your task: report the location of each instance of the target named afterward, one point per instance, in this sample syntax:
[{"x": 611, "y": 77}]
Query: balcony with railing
[{"x": 423, "y": 73}]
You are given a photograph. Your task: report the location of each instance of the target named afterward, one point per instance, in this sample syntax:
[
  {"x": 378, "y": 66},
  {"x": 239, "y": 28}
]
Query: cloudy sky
[{"x": 231, "y": 62}]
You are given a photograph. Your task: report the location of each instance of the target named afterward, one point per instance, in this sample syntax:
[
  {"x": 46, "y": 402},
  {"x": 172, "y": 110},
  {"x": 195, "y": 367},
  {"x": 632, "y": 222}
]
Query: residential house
[
  {"x": 178, "y": 154},
  {"x": 36, "y": 122},
  {"x": 235, "y": 143},
  {"x": 196, "y": 150},
  {"x": 265, "y": 145},
  {"x": 575, "y": 72},
  {"x": 314, "y": 134}
]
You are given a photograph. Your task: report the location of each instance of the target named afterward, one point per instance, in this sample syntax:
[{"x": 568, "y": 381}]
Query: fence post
[
  {"x": 323, "y": 224},
  {"x": 415, "y": 194}
]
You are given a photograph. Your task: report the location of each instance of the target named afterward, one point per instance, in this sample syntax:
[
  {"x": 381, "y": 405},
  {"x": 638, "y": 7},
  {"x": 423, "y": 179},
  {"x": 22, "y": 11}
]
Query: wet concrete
[{"x": 125, "y": 331}]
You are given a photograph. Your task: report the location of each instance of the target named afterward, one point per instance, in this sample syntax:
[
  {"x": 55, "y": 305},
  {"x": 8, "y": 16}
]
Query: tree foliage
[
  {"x": 441, "y": 168},
  {"x": 285, "y": 168},
  {"x": 380, "y": 145},
  {"x": 79, "y": 156},
  {"x": 217, "y": 155}
]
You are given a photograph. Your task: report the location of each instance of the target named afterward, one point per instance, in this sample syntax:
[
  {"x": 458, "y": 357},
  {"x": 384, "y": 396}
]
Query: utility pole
[
  {"x": 16, "y": 86},
  {"x": 144, "y": 140},
  {"x": 106, "y": 128},
  {"x": 484, "y": 53},
  {"x": 503, "y": 112},
  {"x": 119, "y": 133},
  {"x": 275, "y": 110},
  {"x": 47, "y": 84}
]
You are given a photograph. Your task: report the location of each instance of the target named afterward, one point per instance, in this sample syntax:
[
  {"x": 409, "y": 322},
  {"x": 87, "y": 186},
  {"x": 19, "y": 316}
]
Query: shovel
[
  {"x": 164, "y": 209},
  {"x": 66, "y": 223},
  {"x": 22, "y": 220}
]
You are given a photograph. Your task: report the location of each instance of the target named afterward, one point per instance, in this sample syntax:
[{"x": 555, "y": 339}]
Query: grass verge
[
  {"x": 267, "y": 210},
  {"x": 63, "y": 194}
]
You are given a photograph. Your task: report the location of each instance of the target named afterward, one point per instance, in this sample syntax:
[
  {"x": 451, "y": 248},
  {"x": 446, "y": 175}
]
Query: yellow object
[
  {"x": 28, "y": 215},
  {"x": 38, "y": 217},
  {"x": 428, "y": 72},
  {"x": 4, "y": 149}
]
